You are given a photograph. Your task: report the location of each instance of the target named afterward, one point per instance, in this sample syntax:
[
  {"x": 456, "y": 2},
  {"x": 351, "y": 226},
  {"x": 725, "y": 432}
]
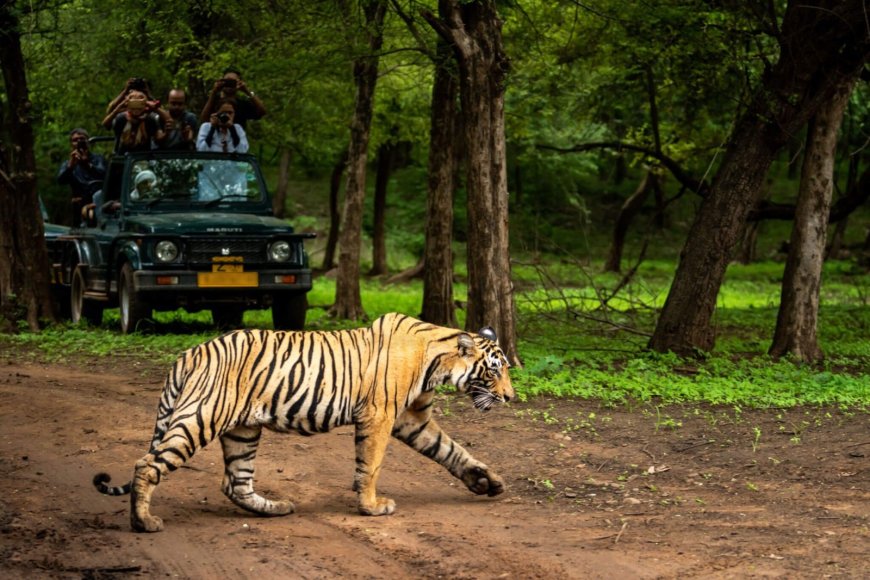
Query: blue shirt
[{"x": 83, "y": 179}]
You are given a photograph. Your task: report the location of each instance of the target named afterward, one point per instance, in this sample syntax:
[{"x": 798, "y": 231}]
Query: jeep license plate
[
  {"x": 226, "y": 279},
  {"x": 227, "y": 268}
]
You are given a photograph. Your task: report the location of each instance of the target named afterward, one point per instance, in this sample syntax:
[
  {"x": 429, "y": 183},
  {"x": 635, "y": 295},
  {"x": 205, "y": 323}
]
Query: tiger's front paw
[
  {"x": 382, "y": 506},
  {"x": 146, "y": 524},
  {"x": 481, "y": 480}
]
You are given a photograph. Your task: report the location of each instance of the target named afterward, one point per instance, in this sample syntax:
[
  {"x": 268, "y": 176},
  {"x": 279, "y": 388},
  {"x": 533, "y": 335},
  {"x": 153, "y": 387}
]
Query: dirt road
[{"x": 593, "y": 493}]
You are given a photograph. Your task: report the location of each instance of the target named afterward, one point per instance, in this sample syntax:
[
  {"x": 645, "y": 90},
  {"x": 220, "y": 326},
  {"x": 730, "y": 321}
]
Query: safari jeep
[{"x": 182, "y": 230}]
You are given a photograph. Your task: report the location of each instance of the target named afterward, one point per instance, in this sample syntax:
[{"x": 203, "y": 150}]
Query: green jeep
[{"x": 173, "y": 229}]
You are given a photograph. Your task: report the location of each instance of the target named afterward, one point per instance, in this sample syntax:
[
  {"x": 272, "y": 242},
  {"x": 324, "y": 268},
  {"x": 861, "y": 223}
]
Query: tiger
[{"x": 381, "y": 379}]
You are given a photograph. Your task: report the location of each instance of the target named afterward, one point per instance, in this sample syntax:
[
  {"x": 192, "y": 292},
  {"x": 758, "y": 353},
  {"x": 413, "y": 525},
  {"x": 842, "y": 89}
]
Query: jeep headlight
[
  {"x": 165, "y": 251},
  {"x": 279, "y": 251}
]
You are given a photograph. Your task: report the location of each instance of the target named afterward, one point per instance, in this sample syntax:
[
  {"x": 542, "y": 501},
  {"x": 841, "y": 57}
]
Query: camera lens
[{"x": 224, "y": 118}]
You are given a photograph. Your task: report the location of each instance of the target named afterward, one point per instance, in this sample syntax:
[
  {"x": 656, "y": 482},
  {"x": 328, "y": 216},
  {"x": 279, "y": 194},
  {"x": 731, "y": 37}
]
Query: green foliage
[
  {"x": 579, "y": 73},
  {"x": 567, "y": 357}
]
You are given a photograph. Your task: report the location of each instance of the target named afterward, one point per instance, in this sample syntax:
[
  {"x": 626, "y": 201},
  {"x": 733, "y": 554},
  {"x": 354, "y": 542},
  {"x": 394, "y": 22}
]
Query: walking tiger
[{"x": 381, "y": 379}]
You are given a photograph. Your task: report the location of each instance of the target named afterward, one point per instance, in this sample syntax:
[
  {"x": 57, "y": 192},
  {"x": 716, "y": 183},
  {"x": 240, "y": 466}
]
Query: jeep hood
[{"x": 205, "y": 223}]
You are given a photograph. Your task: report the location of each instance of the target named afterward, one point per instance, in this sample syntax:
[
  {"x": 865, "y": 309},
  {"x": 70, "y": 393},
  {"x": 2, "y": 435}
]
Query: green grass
[
  {"x": 570, "y": 354},
  {"x": 566, "y": 356}
]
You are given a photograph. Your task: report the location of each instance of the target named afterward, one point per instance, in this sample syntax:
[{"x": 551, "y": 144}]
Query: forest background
[{"x": 617, "y": 117}]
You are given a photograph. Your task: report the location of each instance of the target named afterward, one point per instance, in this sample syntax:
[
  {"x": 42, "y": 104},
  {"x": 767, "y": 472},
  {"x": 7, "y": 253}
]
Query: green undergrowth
[{"x": 576, "y": 340}]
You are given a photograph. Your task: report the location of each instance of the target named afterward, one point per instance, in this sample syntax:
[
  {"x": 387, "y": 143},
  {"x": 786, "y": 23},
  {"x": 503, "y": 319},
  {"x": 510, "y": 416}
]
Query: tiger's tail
[
  {"x": 171, "y": 389},
  {"x": 101, "y": 481}
]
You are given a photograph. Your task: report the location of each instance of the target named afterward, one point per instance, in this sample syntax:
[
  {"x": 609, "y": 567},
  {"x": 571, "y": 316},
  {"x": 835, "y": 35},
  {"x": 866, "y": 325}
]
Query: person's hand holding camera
[
  {"x": 222, "y": 119},
  {"x": 79, "y": 154}
]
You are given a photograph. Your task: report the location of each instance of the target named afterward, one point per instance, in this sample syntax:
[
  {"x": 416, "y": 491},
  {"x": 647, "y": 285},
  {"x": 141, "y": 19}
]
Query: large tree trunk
[
  {"x": 799, "y": 302},
  {"x": 348, "y": 300},
  {"x": 334, "y": 213},
  {"x": 279, "y": 201},
  {"x": 379, "y": 238},
  {"x": 24, "y": 271},
  {"x": 820, "y": 45},
  {"x": 474, "y": 30},
  {"x": 438, "y": 307}
]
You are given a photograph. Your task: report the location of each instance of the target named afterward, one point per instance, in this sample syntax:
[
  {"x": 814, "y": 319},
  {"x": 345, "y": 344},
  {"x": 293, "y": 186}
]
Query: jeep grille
[{"x": 203, "y": 251}]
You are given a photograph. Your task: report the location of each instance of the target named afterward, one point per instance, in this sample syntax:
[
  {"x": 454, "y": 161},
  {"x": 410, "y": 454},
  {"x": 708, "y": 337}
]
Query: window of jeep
[{"x": 164, "y": 184}]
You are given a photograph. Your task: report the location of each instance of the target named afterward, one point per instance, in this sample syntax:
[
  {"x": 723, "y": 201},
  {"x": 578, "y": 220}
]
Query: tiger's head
[{"x": 483, "y": 369}]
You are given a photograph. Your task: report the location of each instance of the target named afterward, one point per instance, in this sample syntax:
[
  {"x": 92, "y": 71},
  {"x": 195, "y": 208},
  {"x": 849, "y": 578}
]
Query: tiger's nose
[{"x": 506, "y": 397}]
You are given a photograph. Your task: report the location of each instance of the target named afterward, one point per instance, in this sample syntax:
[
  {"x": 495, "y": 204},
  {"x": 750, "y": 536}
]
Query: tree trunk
[
  {"x": 279, "y": 202},
  {"x": 24, "y": 270},
  {"x": 835, "y": 251},
  {"x": 474, "y": 30},
  {"x": 748, "y": 245},
  {"x": 348, "y": 300},
  {"x": 819, "y": 47},
  {"x": 438, "y": 307},
  {"x": 627, "y": 213},
  {"x": 334, "y": 213},
  {"x": 797, "y": 321},
  {"x": 382, "y": 180}
]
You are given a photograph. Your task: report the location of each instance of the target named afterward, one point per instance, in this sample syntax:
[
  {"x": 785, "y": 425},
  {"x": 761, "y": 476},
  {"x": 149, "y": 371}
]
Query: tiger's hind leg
[
  {"x": 176, "y": 448},
  {"x": 240, "y": 449}
]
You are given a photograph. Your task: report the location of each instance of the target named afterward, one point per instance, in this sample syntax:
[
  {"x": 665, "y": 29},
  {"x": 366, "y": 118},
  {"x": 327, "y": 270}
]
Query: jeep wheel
[
  {"x": 80, "y": 308},
  {"x": 133, "y": 309},
  {"x": 60, "y": 296},
  {"x": 228, "y": 317},
  {"x": 288, "y": 312}
]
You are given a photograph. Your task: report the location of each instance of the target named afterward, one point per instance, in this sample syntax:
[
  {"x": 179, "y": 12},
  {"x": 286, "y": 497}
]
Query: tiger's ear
[
  {"x": 488, "y": 333},
  {"x": 466, "y": 344}
]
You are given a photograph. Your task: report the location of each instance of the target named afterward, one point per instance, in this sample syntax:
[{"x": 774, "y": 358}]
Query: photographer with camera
[
  {"x": 140, "y": 126},
  {"x": 118, "y": 104},
  {"x": 221, "y": 134},
  {"x": 228, "y": 89},
  {"x": 181, "y": 126},
  {"x": 83, "y": 172}
]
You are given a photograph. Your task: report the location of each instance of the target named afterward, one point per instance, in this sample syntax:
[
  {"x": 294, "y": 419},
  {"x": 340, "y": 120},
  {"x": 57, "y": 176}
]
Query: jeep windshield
[{"x": 164, "y": 184}]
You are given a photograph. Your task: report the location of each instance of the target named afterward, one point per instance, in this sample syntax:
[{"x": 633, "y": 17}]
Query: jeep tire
[
  {"x": 133, "y": 309},
  {"x": 81, "y": 308},
  {"x": 228, "y": 317},
  {"x": 288, "y": 311}
]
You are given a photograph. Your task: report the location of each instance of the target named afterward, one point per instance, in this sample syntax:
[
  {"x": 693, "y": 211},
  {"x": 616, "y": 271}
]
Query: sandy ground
[{"x": 592, "y": 492}]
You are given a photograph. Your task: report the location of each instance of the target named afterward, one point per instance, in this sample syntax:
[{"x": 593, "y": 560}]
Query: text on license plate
[{"x": 226, "y": 279}]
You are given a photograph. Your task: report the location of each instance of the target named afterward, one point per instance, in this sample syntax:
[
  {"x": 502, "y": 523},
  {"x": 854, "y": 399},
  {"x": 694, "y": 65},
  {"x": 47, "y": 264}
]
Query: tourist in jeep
[
  {"x": 140, "y": 126},
  {"x": 181, "y": 126},
  {"x": 221, "y": 134},
  {"x": 83, "y": 172},
  {"x": 228, "y": 89}
]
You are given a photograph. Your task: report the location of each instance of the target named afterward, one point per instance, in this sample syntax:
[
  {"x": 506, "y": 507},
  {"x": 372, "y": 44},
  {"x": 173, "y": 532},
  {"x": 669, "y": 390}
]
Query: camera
[
  {"x": 81, "y": 145},
  {"x": 139, "y": 84},
  {"x": 224, "y": 118},
  {"x": 229, "y": 83}
]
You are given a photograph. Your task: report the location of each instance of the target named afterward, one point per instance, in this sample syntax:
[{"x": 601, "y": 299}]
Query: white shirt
[{"x": 222, "y": 142}]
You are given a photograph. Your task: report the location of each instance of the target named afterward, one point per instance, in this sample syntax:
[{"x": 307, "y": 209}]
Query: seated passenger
[
  {"x": 220, "y": 134},
  {"x": 144, "y": 186}
]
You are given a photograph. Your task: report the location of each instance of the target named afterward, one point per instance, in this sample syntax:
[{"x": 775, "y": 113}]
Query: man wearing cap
[{"x": 83, "y": 172}]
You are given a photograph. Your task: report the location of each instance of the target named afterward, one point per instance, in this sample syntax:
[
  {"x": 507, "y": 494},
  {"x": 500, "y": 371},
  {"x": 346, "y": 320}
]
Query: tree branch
[{"x": 700, "y": 187}]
